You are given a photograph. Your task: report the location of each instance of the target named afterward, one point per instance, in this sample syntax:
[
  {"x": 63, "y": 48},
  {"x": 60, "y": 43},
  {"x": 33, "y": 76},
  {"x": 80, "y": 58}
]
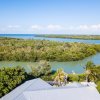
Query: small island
[{"x": 83, "y": 37}]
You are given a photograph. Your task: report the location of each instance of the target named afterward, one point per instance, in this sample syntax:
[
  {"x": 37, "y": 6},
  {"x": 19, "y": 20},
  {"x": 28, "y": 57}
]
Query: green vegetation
[
  {"x": 12, "y": 49},
  {"x": 42, "y": 69},
  {"x": 36, "y": 50},
  {"x": 84, "y": 37},
  {"x": 60, "y": 77},
  {"x": 91, "y": 74},
  {"x": 10, "y": 78},
  {"x": 98, "y": 86}
]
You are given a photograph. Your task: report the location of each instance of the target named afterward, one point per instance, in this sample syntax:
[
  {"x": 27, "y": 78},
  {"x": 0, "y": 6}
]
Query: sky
[{"x": 50, "y": 16}]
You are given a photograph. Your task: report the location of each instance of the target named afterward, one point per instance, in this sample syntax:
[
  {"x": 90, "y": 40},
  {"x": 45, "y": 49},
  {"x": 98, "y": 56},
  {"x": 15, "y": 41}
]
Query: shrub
[{"x": 10, "y": 78}]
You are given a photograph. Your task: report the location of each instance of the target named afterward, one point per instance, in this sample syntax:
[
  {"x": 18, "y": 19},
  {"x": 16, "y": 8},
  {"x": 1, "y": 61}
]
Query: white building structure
[{"x": 38, "y": 89}]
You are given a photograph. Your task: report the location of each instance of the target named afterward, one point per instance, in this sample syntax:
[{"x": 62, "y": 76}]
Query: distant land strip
[{"x": 84, "y": 37}]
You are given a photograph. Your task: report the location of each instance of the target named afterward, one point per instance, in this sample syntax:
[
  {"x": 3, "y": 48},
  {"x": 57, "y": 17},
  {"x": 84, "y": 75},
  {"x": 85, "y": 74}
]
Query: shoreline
[{"x": 82, "y": 37}]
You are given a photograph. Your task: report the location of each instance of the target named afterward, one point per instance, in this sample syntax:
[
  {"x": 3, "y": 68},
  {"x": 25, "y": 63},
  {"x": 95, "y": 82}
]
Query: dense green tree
[
  {"x": 35, "y": 50},
  {"x": 10, "y": 78},
  {"x": 92, "y": 71}
]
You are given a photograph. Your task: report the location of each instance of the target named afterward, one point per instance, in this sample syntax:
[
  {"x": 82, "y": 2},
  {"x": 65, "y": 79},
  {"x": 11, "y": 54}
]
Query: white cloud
[
  {"x": 36, "y": 27},
  {"x": 13, "y": 26},
  {"x": 89, "y": 27},
  {"x": 59, "y": 29},
  {"x": 83, "y": 27},
  {"x": 95, "y": 26},
  {"x": 54, "y": 27}
]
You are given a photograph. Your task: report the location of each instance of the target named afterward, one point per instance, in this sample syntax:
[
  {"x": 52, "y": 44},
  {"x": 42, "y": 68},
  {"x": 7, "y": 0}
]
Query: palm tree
[
  {"x": 90, "y": 72},
  {"x": 61, "y": 77}
]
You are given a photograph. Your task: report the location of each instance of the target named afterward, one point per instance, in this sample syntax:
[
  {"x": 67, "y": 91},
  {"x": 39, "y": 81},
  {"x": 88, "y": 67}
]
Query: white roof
[
  {"x": 32, "y": 85},
  {"x": 74, "y": 85},
  {"x": 38, "y": 89},
  {"x": 83, "y": 93},
  {"x": 89, "y": 84}
]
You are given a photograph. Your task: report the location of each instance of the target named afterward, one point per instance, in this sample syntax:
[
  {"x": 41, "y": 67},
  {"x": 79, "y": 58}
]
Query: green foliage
[
  {"x": 98, "y": 86},
  {"x": 43, "y": 68},
  {"x": 36, "y": 50},
  {"x": 92, "y": 71},
  {"x": 73, "y": 77},
  {"x": 97, "y": 47},
  {"x": 47, "y": 77},
  {"x": 10, "y": 78},
  {"x": 82, "y": 77},
  {"x": 89, "y": 65}
]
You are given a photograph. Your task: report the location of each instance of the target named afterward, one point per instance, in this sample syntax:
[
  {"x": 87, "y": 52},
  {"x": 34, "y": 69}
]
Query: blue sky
[{"x": 50, "y": 16}]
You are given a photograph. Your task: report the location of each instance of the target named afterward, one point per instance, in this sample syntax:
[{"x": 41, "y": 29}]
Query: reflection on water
[
  {"x": 68, "y": 67},
  {"x": 68, "y": 40},
  {"x": 76, "y": 66}
]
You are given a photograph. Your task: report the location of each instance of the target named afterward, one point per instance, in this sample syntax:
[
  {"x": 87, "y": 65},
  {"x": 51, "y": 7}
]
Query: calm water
[
  {"x": 68, "y": 67},
  {"x": 69, "y": 40},
  {"x": 32, "y": 36}
]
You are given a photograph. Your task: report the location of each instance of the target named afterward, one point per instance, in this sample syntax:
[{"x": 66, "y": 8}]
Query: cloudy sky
[{"x": 50, "y": 16}]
